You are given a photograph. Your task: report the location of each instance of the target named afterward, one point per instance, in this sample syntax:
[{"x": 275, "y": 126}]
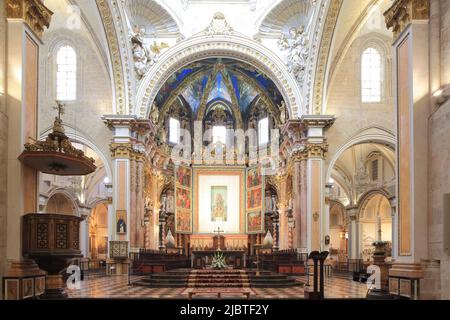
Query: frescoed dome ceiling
[{"x": 218, "y": 79}]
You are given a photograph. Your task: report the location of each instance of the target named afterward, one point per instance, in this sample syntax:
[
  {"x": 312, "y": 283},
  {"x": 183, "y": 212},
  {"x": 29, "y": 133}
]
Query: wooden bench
[{"x": 219, "y": 292}]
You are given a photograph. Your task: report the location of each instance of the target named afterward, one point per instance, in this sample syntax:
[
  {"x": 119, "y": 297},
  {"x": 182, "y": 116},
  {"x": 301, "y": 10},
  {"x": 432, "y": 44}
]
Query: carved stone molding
[
  {"x": 403, "y": 12},
  {"x": 35, "y": 14},
  {"x": 232, "y": 46},
  {"x": 318, "y": 150},
  {"x": 322, "y": 60},
  {"x": 218, "y": 25},
  {"x": 116, "y": 58}
]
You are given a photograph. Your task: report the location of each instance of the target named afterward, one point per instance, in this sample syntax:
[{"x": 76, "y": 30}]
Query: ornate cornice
[
  {"x": 35, "y": 14},
  {"x": 140, "y": 126},
  {"x": 403, "y": 12},
  {"x": 125, "y": 151},
  {"x": 325, "y": 44},
  {"x": 322, "y": 121},
  {"x": 114, "y": 48}
]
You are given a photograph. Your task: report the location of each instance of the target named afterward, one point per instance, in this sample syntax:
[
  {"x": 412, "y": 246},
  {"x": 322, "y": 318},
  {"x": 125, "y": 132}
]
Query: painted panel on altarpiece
[
  {"x": 255, "y": 200},
  {"x": 183, "y": 200}
]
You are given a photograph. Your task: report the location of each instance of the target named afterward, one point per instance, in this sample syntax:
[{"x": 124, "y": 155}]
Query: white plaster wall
[
  {"x": 344, "y": 98},
  {"x": 94, "y": 93},
  {"x": 439, "y": 184}
]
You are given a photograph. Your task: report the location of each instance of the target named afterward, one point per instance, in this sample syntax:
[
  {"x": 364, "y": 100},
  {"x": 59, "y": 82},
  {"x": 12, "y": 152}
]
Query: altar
[{"x": 200, "y": 259}]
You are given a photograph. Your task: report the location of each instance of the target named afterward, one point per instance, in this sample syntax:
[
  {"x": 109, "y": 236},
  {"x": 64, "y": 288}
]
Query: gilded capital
[
  {"x": 403, "y": 12},
  {"x": 35, "y": 14},
  {"x": 125, "y": 151},
  {"x": 317, "y": 150}
]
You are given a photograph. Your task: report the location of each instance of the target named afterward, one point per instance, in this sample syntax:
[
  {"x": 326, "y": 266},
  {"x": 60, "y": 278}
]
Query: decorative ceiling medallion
[{"x": 219, "y": 26}]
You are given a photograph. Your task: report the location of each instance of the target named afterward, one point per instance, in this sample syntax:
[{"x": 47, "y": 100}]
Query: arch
[
  {"x": 61, "y": 201},
  {"x": 75, "y": 135},
  {"x": 373, "y": 134},
  {"x": 233, "y": 46},
  {"x": 339, "y": 204},
  {"x": 365, "y": 198}
]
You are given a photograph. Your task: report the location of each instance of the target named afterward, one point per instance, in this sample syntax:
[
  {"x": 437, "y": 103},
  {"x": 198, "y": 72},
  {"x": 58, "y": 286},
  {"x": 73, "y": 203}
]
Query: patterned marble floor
[{"x": 117, "y": 287}]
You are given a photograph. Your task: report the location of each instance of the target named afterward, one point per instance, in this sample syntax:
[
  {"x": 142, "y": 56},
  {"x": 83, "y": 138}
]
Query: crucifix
[
  {"x": 218, "y": 231},
  {"x": 60, "y": 108}
]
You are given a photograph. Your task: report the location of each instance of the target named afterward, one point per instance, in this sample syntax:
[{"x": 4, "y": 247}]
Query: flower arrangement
[{"x": 218, "y": 261}]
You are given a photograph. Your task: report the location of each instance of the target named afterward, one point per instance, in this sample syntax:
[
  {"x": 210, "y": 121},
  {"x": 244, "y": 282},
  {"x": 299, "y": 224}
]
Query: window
[
  {"x": 66, "y": 74},
  {"x": 219, "y": 134},
  {"x": 371, "y": 76},
  {"x": 375, "y": 170},
  {"x": 263, "y": 131},
  {"x": 174, "y": 130}
]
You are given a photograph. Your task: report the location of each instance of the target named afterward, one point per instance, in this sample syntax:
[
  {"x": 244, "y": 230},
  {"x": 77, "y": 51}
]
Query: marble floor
[{"x": 117, "y": 287}]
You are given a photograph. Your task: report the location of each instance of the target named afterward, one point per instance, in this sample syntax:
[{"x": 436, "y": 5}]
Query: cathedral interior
[{"x": 180, "y": 149}]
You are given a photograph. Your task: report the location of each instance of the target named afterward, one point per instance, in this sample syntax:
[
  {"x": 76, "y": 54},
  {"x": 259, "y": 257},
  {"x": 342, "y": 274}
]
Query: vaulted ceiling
[{"x": 211, "y": 79}]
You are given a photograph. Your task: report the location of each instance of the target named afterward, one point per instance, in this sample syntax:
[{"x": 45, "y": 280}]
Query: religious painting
[
  {"x": 103, "y": 245},
  {"x": 255, "y": 222},
  {"x": 183, "y": 221},
  {"x": 254, "y": 198},
  {"x": 183, "y": 199},
  {"x": 219, "y": 198},
  {"x": 184, "y": 176},
  {"x": 254, "y": 177},
  {"x": 121, "y": 221}
]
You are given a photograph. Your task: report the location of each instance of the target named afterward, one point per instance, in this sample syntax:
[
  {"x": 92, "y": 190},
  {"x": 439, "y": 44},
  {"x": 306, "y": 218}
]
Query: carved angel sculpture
[{"x": 297, "y": 52}]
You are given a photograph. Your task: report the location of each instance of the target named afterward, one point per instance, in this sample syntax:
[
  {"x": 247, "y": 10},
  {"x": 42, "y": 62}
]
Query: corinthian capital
[{"x": 403, "y": 12}]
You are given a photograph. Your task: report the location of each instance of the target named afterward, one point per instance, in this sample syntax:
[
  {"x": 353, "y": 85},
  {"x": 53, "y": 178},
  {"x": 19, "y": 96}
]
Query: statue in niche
[
  {"x": 297, "y": 52},
  {"x": 161, "y": 136},
  {"x": 144, "y": 56},
  {"x": 283, "y": 112},
  {"x": 154, "y": 115}
]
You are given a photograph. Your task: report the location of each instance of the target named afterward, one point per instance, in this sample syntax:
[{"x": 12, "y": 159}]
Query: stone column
[
  {"x": 409, "y": 21},
  {"x": 25, "y": 24},
  {"x": 393, "y": 203},
  {"x": 315, "y": 150},
  {"x": 84, "y": 230},
  {"x": 127, "y": 151},
  {"x": 297, "y": 231},
  {"x": 353, "y": 234}
]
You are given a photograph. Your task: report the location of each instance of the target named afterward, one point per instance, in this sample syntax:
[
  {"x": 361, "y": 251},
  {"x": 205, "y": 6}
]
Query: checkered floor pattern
[{"x": 117, "y": 287}]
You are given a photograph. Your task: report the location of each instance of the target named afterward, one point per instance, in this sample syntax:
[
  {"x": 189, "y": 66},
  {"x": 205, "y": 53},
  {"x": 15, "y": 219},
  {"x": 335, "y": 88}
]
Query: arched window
[
  {"x": 174, "y": 130},
  {"x": 66, "y": 74},
  {"x": 219, "y": 134},
  {"x": 263, "y": 131},
  {"x": 371, "y": 76}
]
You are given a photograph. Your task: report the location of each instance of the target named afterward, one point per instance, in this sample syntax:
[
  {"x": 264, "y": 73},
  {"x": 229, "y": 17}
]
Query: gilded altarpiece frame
[
  {"x": 219, "y": 171},
  {"x": 183, "y": 200},
  {"x": 254, "y": 201}
]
